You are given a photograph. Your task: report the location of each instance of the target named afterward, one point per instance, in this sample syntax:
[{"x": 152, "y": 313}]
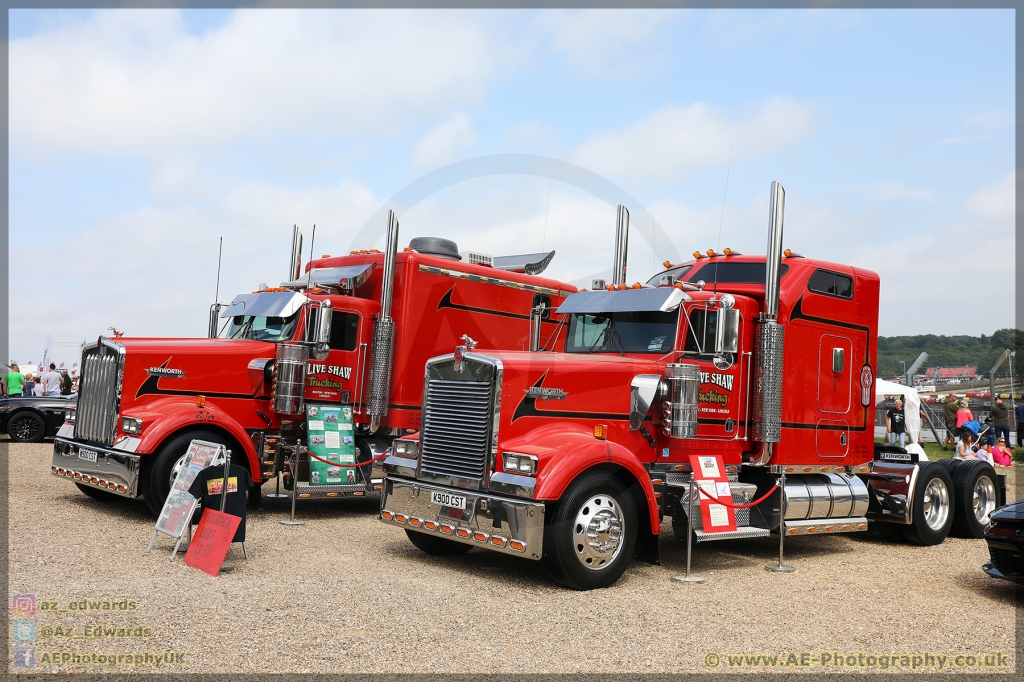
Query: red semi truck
[
  {"x": 353, "y": 330},
  {"x": 574, "y": 457}
]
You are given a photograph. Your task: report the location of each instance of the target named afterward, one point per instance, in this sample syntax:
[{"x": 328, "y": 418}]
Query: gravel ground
[{"x": 345, "y": 593}]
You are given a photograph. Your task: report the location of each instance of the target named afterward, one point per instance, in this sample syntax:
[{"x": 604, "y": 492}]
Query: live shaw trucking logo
[{"x": 713, "y": 396}]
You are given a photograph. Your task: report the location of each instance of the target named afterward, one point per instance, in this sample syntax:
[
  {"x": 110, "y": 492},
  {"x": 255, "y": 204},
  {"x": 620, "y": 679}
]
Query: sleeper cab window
[{"x": 831, "y": 284}]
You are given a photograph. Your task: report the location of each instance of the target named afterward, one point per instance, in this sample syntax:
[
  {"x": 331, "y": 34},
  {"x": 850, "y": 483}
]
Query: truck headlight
[
  {"x": 131, "y": 425},
  {"x": 407, "y": 448},
  {"x": 69, "y": 414},
  {"x": 515, "y": 463}
]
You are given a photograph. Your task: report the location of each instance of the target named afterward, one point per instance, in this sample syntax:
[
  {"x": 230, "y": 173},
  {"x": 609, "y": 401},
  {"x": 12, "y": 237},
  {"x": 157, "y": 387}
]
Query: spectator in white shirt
[{"x": 51, "y": 381}]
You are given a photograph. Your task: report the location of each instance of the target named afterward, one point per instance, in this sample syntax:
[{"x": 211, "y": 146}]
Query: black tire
[
  {"x": 97, "y": 494},
  {"x": 435, "y": 546},
  {"x": 975, "y": 491},
  {"x": 932, "y": 517},
  {"x": 26, "y": 427},
  {"x": 155, "y": 477},
  {"x": 893, "y": 532},
  {"x": 594, "y": 498},
  {"x": 951, "y": 465}
]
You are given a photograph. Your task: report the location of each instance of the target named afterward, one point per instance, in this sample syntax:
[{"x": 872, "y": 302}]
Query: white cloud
[
  {"x": 989, "y": 119},
  {"x": 995, "y": 202},
  {"x": 445, "y": 142},
  {"x": 890, "y": 190},
  {"x": 677, "y": 139},
  {"x": 607, "y": 43},
  {"x": 135, "y": 82},
  {"x": 963, "y": 139}
]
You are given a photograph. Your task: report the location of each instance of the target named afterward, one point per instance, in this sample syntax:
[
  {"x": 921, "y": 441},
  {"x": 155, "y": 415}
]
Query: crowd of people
[
  {"x": 989, "y": 442},
  {"x": 49, "y": 383}
]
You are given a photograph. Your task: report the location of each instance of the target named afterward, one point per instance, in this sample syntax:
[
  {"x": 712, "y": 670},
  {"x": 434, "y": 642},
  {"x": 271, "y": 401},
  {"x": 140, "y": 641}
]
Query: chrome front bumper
[
  {"x": 506, "y": 525},
  {"x": 115, "y": 470}
]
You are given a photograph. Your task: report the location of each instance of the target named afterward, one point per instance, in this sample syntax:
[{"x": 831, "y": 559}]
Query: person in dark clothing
[
  {"x": 949, "y": 409},
  {"x": 65, "y": 383},
  {"x": 896, "y": 424},
  {"x": 1020, "y": 425},
  {"x": 1000, "y": 419}
]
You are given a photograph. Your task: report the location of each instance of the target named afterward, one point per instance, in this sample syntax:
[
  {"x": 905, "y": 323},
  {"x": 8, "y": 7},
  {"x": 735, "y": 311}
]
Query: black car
[
  {"x": 29, "y": 419},
  {"x": 1006, "y": 543}
]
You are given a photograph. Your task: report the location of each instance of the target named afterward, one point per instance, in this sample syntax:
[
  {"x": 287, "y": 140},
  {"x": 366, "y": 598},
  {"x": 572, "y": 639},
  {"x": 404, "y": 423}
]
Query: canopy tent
[{"x": 911, "y": 405}]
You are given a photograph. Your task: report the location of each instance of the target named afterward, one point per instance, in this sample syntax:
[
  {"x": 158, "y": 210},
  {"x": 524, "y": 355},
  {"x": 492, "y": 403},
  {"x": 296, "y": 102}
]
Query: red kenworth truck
[
  {"x": 353, "y": 330},
  {"x": 574, "y": 457}
]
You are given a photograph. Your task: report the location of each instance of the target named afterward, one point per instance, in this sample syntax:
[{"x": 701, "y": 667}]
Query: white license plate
[
  {"x": 448, "y": 500},
  {"x": 87, "y": 455}
]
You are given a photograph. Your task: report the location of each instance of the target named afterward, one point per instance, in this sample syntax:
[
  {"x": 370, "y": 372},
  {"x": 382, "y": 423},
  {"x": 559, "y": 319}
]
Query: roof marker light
[
  {"x": 667, "y": 264},
  {"x": 697, "y": 255}
]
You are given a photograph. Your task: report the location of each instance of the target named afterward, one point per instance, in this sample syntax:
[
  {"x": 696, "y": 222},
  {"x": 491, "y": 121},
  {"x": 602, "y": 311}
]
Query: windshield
[
  {"x": 627, "y": 332},
  {"x": 260, "y": 328}
]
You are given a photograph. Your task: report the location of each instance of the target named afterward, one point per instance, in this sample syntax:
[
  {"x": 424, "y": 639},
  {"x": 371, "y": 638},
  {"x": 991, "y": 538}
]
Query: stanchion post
[
  {"x": 295, "y": 488},
  {"x": 689, "y": 536},
  {"x": 780, "y": 567}
]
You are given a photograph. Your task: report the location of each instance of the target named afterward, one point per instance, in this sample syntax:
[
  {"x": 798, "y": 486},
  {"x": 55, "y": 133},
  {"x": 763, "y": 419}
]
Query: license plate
[
  {"x": 448, "y": 500},
  {"x": 87, "y": 455}
]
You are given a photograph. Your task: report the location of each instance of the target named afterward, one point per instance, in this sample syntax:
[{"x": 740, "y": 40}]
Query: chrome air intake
[
  {"x": 683, "y": 381},
  {"x": 99, "y": 395},
  {"x": 384, "y": 332},
  {"x": 290, "y": 385}
]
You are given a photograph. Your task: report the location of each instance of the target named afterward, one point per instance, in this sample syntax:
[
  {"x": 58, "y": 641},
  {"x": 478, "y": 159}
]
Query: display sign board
[
  {"x": 212, "y": 541},
  {"x": 330, "y": 436},
  {"x": 179, "y": 506},
  {"x": 709, "y": 474}
]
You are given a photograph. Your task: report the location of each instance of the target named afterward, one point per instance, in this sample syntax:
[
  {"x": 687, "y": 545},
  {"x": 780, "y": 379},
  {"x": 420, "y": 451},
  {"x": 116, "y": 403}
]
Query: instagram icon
[{"x": 24, "y": 605}]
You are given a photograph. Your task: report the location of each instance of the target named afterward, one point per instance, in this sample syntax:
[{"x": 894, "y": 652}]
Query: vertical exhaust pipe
[
  {"x": 295, "y": 262},
  {"x": 771, "y": 337},
  {"x": 384, "y": 332},
  {"x": 621, "y": 245},
  {"x": 536, "y": 319}
]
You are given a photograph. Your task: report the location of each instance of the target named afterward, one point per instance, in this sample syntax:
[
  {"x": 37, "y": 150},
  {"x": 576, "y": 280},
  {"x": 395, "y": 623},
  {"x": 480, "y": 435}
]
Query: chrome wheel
[
  {"x": 984, "y": 499},
  {"x": 597, "y": 532},
  {"x": 178, "y": 466},
  {"x": 936, "y": 504}
]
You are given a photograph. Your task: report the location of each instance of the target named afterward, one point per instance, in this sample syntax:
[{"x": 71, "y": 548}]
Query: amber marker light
[
  {"x": 729, "y": 252},
  {"x": 413, "y": 521},
  {"x": 401, "y": 518},
  {"x": 610, "y": 287},
  {"x": 696, "y": 254},
  {"x": 446, "y": 529},
  {"x": 711, "y": 253},
  {"x": 430, "y": 525},
  {"x": 517, "y": 546},
  {"x": 387, "y": 515},
  {"x": 498, "y": 541},
  {"x": 480, "y": 537},
  {"x": 600, "y": 431},
  {"x": 667, "y": 264},
  {"x": 637, "y": 285},
  {"x": 200, "y": 401}
]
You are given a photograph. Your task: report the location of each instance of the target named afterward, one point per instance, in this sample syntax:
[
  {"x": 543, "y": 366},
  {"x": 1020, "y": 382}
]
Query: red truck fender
[
  {"x": 172, "y": 415},
  {"x": 579, "y": 452}
]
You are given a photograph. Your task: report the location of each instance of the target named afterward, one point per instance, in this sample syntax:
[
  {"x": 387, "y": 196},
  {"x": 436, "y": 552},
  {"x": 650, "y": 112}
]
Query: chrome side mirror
[
  {"x": 319, "y": 330},
  {"x": 644, "y": 391},
  {"x": 727, "y": 336}
]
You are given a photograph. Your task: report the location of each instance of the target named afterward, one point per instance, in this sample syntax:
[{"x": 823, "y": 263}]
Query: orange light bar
[
  {"x": 637, "y": 285},
  {"x": 480, "y": 537},
  {"x": 446, "y": 529},
  {"x": 387, "y": 515},
  {"x": 600, "y": 431},
  {"x": 462, "y": 532},
  {"x": 401, "y": 518},
  {"x": 413, "y": 521},
  {"x": 430, "y": 525},
  {"x": 517, "y": 546},
  {"x": 200, "y": 401},
  {"x": 667, "y": 264}
]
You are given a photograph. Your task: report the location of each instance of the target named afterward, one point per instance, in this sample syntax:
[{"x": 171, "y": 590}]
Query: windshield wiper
[
  {"x": 608, "y": 333},
  {"x": 614, "y": 336}
]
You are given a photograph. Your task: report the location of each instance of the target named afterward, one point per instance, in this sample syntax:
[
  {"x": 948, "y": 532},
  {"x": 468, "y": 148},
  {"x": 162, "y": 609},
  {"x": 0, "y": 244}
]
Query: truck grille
[
  {"x": 456, "y": 428},
  {"x": 99, "y": 397}
]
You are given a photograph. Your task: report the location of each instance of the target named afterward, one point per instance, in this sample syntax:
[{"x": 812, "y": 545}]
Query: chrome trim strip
[
  {"x": 497, "y": 281},
  {"x": 111, "y": 465},
  {"x": 513, "y": 484}
]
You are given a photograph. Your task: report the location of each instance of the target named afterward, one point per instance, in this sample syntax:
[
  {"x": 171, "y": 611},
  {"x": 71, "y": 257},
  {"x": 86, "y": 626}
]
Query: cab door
[
  {"x": 835, "y": 384},
  {"x": 332, "y": 380}
]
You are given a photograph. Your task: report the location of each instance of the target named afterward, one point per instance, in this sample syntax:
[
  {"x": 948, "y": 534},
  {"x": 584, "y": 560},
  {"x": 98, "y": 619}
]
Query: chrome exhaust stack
[
  {"x": 384, "y": 332},
  {"x": 214, "y": 324},
  {"x": 536, "y": 320},
  {"x": 771, "y": 337},
  {"x": 295, "y": 262},
  {"x": 621, "y": 245}
]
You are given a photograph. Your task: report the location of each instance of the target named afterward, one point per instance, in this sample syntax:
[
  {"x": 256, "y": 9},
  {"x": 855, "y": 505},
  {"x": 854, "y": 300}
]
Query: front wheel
[
  {"x": 933, "y": 506},
  {"x": 590, "y": 536},
  {"x": 159, "y": 470}
]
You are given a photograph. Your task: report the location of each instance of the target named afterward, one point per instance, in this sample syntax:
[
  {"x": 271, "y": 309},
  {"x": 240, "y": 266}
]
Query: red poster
[
  {"x": 212, "y": 541},
  {"x": 710, "y": 475}
]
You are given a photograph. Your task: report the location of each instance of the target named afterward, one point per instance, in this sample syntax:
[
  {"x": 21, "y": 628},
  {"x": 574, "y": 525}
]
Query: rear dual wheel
[{"x": 932, "y": 511}]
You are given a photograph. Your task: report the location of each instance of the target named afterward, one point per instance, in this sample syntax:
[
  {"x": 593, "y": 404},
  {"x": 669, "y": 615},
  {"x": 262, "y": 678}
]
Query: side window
[
  {"x": 831, "y": 284},
  {"x": 700, "y": 334},
  {"x": 344, "y": 331}
]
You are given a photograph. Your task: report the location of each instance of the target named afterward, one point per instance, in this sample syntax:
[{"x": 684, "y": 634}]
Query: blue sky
[{"x": 138, "y": 137}]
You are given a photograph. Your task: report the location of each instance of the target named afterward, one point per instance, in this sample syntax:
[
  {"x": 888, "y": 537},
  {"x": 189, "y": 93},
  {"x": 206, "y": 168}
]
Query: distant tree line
[{"x": 951, "y": 351}]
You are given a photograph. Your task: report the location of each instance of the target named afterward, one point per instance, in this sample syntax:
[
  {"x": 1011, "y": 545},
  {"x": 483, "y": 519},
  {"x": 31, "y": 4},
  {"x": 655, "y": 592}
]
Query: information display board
[
  {"x": 212, "y": 541},
  {"x": 710, "y": 476},
  {"x": 180, "y": 505},
  {"x": 330, "y": 436}
]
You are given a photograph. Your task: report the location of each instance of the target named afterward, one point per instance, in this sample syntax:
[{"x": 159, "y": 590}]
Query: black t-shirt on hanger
[{"x": 207, "y": 489}]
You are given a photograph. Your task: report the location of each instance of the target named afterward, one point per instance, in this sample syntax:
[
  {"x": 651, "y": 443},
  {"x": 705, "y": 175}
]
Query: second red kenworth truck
[
  {"x": 352, "y": 330},
  {"x": 574, "y": 457}
]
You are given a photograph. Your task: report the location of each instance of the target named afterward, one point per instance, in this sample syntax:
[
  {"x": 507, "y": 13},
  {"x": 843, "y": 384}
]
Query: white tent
[{"x": 911, "y": 404}]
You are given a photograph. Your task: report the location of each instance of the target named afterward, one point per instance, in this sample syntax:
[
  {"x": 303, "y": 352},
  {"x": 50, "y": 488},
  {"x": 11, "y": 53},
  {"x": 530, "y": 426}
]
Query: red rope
[
  {"x": 347, "y": 466},
  {"x": 738, "y": 506}
]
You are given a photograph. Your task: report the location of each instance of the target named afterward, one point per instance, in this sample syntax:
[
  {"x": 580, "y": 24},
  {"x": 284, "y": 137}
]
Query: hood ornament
[
  {"x": 470, "y": 343},
  {"x": 460, "y": 351}
]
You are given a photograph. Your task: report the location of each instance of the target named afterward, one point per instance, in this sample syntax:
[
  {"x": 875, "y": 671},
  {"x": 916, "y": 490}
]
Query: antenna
[
  {"x": 721, "y": 221},
  {"x": 544, "y": 241},
  {"x": 220, "y": 251}
]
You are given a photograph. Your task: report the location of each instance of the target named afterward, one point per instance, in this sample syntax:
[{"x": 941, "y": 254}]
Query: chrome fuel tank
[{"x": 811, "y": 496}]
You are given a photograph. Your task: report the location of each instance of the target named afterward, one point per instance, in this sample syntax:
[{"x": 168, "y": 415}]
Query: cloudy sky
[{"x": 139, "y": 137}]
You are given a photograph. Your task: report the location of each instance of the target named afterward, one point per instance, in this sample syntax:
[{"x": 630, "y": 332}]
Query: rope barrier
[
  {"x": 347, "y": 466},
  {"x": 738, "y": 506}
]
